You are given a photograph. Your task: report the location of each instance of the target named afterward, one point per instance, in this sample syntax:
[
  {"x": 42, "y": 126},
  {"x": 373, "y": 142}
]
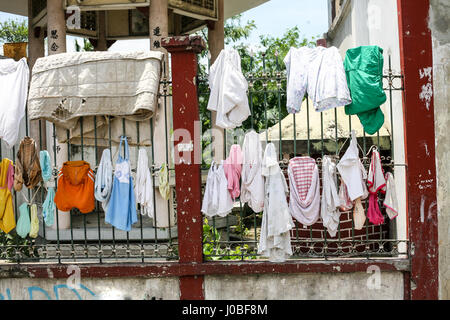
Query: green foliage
[
  {"x": 13, "y": 31},
  {"x": 87, "y": 46},
  {"x": 10, "y": 243},
  {"x": 213, "y": 251}
]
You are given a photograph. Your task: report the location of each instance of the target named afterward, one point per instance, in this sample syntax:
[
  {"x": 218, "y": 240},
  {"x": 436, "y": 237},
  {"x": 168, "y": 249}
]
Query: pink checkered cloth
[{"x": 303, "y": 169}]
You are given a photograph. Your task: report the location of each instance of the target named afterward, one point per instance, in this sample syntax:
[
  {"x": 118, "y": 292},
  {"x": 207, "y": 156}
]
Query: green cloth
[{"x": 364, "y": 70}]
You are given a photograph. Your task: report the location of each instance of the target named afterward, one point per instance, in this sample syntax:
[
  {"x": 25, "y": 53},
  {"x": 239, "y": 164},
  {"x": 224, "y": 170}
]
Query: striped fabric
[{"x": 303, "y": 169}]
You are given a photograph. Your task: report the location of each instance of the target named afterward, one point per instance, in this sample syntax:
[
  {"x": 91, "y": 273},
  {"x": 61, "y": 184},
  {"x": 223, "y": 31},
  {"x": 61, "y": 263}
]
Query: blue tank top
[{"x": 121, "y": 212}]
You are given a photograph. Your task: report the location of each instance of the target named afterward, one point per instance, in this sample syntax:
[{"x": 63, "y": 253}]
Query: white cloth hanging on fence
[
  {"x": 252, "y": 181},
  {"x": 352, "y": 171},
  {"x": 216, "y": 199},
  {"x": 228, "y": 86},
  {"x": 104, "y": 179},
  {"x": 143, "y": 187},
  {"x": 318, "y": 71},
  {"x": 14, "y": 77},
  {"x": 275, "y": 240},
  {"x": 330, "y": 199},
  {"x": 304, "y": 184},
  {"x": 390, "y": 200}
]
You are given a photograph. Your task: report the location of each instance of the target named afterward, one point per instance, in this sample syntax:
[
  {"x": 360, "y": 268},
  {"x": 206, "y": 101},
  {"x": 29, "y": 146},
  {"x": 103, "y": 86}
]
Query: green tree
[
  {"x": 13, "y": 31},
  {"x": 87, "y": 46}
]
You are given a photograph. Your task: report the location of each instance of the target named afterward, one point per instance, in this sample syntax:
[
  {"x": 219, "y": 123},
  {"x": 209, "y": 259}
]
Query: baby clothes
[
  {"x": 164, "y": 188},
  {"x": 28, "y": 168},
  {"x": 48, "y": 207},
  {"x": 376, "y": 182},
  {"x": 345, "y": 201},
  {"x": 144, "y": 185},
  {"x": 34, "y": 222},
  {"x": 46, "y": 165},
  {"x": 390, "y": 200},
  {"x": 275, "y": 240},
  {"x": 320, "y": 72},
  {"x": 252, "y": 181},
  {"x": 216, "y": 199},
  {"x": 228, "y": 86},
  {"x": 7, "y": 219},
  {"x": 121, "y": 212},
  {"x": 364, "y": 71},
  {"x": 352, "y": 171},
  {"x": 232, "y": 167},
  {"x": 14, "y": 77},
  {"x": 330, "y": 200},
  {"x": 23, "y": 224},
  {"x": 304, "y": 184},
  {"x": 75, "y": 187},
  {"x": 103, "y": 180},
  {"x": 359, "y": 217}
]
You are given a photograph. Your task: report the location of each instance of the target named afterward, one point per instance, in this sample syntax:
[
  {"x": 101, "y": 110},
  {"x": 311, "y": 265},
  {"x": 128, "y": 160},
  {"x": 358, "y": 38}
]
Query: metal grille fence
[{"x": 236, "y": 236}]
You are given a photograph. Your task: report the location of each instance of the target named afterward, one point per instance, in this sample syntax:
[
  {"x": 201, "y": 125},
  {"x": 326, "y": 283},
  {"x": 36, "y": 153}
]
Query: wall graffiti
[{"x": 38, "y": 293}]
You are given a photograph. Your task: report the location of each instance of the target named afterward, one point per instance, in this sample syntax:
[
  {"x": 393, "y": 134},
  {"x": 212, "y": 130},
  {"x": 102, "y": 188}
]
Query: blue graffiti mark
[
  {"x": 56, "y": 287},
  {"x": 31, "y": 289}
]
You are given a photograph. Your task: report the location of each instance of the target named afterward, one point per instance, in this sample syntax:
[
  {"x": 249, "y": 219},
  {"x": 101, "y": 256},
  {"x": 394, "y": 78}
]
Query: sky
[{"x": 271, "y": 18}]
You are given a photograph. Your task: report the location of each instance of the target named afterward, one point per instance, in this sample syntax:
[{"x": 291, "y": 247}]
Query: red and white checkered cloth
[{"x": 303, "y": 169}]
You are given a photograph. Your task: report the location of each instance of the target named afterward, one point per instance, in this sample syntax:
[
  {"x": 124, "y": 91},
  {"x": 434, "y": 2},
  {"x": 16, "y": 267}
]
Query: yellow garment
[
  {"x": 7, "y": 220},
  {"x": 164, "y": 188},
  {"x": 34, "y": 222}
]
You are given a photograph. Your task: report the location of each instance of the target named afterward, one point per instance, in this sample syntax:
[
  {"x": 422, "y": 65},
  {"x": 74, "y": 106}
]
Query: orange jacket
[{"x": 75, "y": 187}]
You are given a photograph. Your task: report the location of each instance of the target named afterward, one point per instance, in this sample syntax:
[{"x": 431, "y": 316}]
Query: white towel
[
  {"x": 104, "y": 180},
  {"x": 252, "y": 181},
  {"x": 143, "y": 188},
  {"x": 304, "y": 184},
  {"x": 228, "y": 86},
  {"x": 390, "y": 201},
  {"x": 275, "y": 240},
  {"x": 330, "y": 199}
]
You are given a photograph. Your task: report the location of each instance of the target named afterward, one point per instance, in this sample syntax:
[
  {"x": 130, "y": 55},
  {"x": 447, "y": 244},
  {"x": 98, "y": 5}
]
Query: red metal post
[
  {"x": 417, "y": 67},
  {"x": 184, "y": 52}
]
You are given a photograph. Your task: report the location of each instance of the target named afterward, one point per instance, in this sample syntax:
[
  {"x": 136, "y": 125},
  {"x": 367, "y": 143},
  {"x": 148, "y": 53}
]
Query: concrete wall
[
  {"x": 90, "y": 289},
  {"x": 439, "y": 25},
  {"x": 342, "y": 286}
]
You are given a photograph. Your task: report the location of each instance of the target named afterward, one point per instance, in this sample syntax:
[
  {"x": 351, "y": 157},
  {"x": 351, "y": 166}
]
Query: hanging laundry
[
  {"x": 364, "y": 71},
  {"x": 75, "y": 187},
  {"x": 7, "y": 219},
  {"x": 344, "y": 199},
  {"x": 14, "y": 77},
  {"x": 217, "y": 200},
  {"x": 121, "y": 211},
  {"x": 164, "y": 188},
  {"x": 232, "y": 168},
  {"x": 252, "y": 181},
  {"x": 23, "y": 224},
  {"x": 352, "y": 171},
  {"x": 330, "y": 200},
  {"x": 144, "y": 185},
  {"x": 228, "y": 86},
  {"x": 27, "y": 168},
  {"x": 390, "y": 200},
  {"x": 103, "y": 179},
  {"x": 48, "y": 207},
  {"x": 275, "y": 240},
  {"x": 359, "y": 217},
  {"x": 46, "y": 165},
  {"x": 376, "y": 182},
  {"x": 320, "y": 72},
  {"x": 34, "y": 222},
  {"x": 304, "y": 185}
]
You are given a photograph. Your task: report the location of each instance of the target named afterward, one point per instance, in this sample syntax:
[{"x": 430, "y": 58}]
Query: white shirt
[
  {"x": 352, "y": 171},
  {"x": 228, "y": 86},
  {"x": 252, "y": 181},
  {"x": 275, "y": 240},
  {"x": 14, "y": 77}
]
